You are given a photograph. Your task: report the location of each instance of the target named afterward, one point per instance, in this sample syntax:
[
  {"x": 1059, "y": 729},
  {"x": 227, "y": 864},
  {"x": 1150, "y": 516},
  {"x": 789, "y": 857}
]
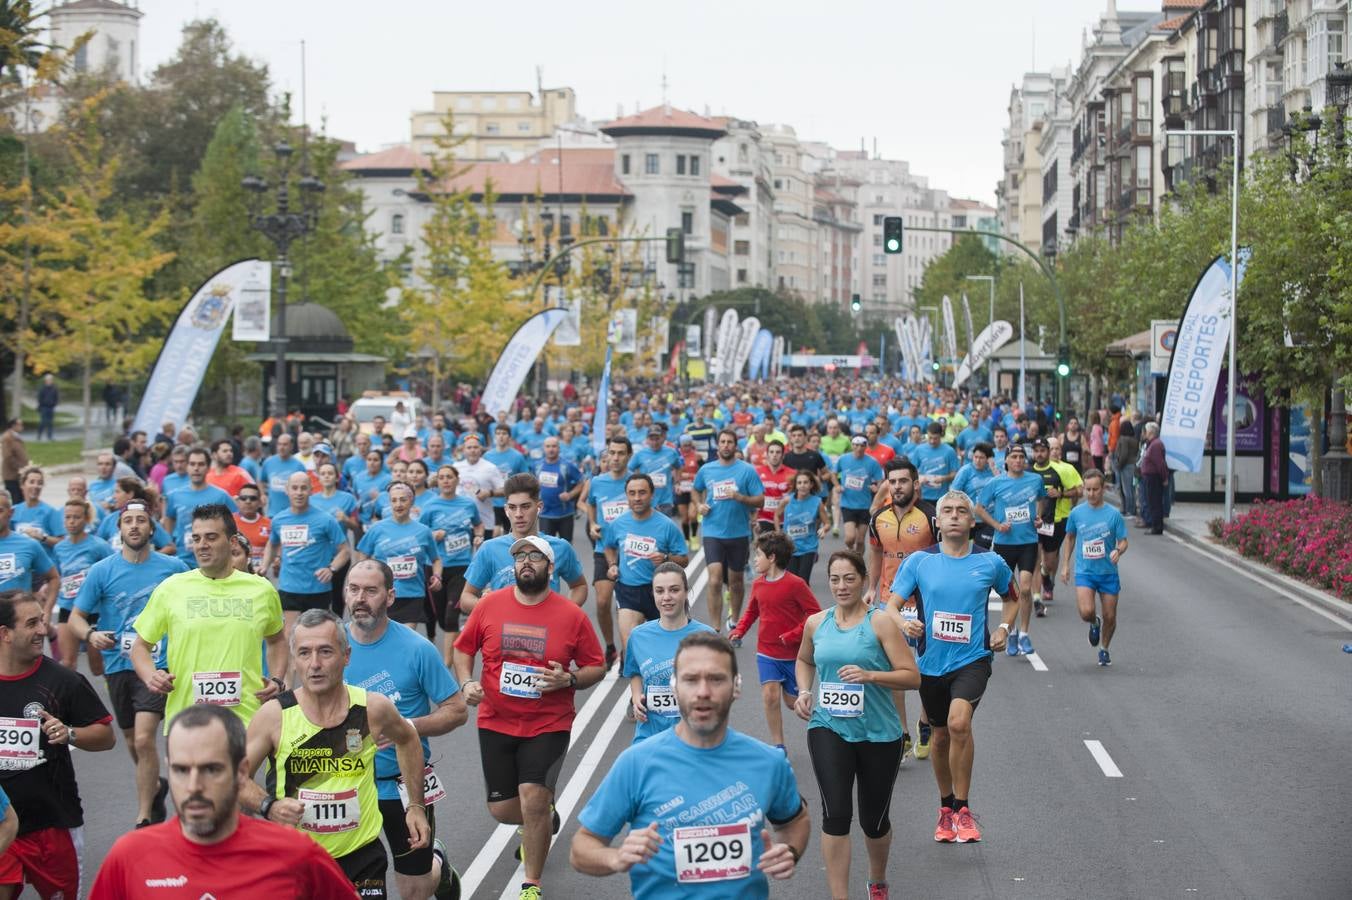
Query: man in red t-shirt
[
  {"x": 223, "y": 473},
  {"x": 778, "y": 481},
  {"x": 209, "y": 849},
  {"x": 529, "y": 637},
  {"x": 881, "y": 452},
  {"x": 251, "y": 523},
  {"x": 782, "y": 601}
]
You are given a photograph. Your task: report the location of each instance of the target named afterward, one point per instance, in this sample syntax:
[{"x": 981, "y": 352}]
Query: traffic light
[
  {"x": 675, "y": 245},
  {"x": 893, "y": 228},
  {"x": 855, "y": 304},
  {"x": 1063, "y": 362},
  {"x": 935, "y": 365}
]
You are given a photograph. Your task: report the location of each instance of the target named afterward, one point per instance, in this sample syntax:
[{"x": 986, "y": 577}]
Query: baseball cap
[
  {"x": 410, "y": 432},
  {"x": 687, "y": 439},
  {"x": 655, "y": 431},
  {"x": 324, "y": 447},
  {"x": 1041, "y": 444},
  {"x": 858, "y": 439},
  {"x": 533, "y": 542}
]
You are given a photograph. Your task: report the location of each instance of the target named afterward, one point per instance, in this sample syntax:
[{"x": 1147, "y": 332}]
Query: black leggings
[
  {"x": 801, "y": 565},
  {"x": 838, "y": 765}
]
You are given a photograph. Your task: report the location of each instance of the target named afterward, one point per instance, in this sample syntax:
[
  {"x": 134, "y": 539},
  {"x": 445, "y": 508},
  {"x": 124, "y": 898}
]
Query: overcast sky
[{"x": 929, "y": 80}]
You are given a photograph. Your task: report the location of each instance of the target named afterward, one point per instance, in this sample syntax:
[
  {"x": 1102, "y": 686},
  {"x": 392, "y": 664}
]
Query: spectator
[
  {"x": 166, "y": 435},
  {"x": 13, "y": 458},
  {"x": 1154, "y": 473},
  {"x": 1124, "y": 464},
  {"x": 48, "y": 397},
  {"x": 343, "y": 439},
  {"x": 112, "y": 402}
]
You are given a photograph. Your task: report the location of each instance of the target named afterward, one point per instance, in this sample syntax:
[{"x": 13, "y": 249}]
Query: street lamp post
[
  {"x": 283, "y": 226},
  {"x": 1233, "y": 135}
]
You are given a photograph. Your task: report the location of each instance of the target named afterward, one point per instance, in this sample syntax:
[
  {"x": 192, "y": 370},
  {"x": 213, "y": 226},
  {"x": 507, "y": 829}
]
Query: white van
[{"x": 376, "y": 403}]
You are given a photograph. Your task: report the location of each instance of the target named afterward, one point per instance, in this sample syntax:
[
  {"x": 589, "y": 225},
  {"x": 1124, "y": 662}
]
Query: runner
[
  {"x": 1073, "y": 446},
  {"x": 130, "y": 490},
  {"x": 458, "y": 531},
  {"x": 38, "y": 520},
  {"x": 408, "y": 549},
  {"x": 660, "y": 462},
  {"x": 530, "y": 637},
  {"x": 936, "y": 461},
  {"x": 1092, "y": 527},
  {"x": 833, "y": 446},
  {"x": 214, "y": 618},
  {"x": 605, "y": 503},
  {"x": 252, "y": 524},
  {"x": 343, "y": 507},
  {"x": 479, "y": 478},
  {"x": 112, "y": 594},
  {"x": 902, "y": 527},
  {"x": 955, "y": 657},
  {"x": 392, "y": 659},
  {"x": 1062, "y": 483},
  {"x": 320, "y": 743},
  {"x": 806, "y": 519},
  {"x": 858, "y": 476},
  {"x": 783, "y": 602},
  {"x": 179, "y": 506},
  {"x": 493, "y": 566},
  {"x": 509, "y": 461},
  {"x": 49, "y": 709},
  {"x": 369, "y": 485},
  {"x": 74, "y": 555},
  {"x": 209, "y": 845},
  {"x": 777, "y": 480},
  {"x": 972, "y": 479},
  {"x": 306, "y": 548},
  {"x": 651, "y": 648},
  {"x": 726, "y": 492},
  {"x": 1008, "y": 505},
  {"x": 223, "y": 473},
  {"x": 24, "y": 563},
  {"x": 561, "y": 483},
  {"x": 634, "y": 543},
  {"x": 276, "y": 469},
  {"x": 855, "y": 736},
  {"x": 700, "y": 799}
]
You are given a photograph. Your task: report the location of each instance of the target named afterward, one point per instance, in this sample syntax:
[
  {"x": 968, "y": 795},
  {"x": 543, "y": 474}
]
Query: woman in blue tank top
[{"x": 856, "y": 657}]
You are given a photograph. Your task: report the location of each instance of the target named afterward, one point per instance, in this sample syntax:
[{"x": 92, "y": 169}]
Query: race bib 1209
[{"x": 712, "y": 852}]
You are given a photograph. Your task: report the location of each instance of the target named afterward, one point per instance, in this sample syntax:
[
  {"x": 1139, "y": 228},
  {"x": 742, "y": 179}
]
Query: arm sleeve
[
  {"x": 478, "y": 575},
  {"x": 1071, "y": 526},
  {"x": 469, "y": 641},
  {"x": 365, "y": 545},
  {"x": 615, "y": 802},
  {"x": 586, "y": 645},
  {"x": 91, "y": 591},
  {"x": 153, "y": 621},
  {"x": 270, "y": 616},
  {"x": 673, "y": 542},
  {"x": 570, "y": 569},
  {"x": 84, "y": 706},
  {"x": 787, "y": 800},
  {"x": 751, "y": 613},
  {"x": 437, "y": 681},
  {"x": 904, "y": 584},
  {"x": 807, "y": 606}
]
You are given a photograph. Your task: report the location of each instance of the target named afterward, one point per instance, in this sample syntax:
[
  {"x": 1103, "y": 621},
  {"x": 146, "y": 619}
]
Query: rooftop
[{"x": 665, "y": 120}]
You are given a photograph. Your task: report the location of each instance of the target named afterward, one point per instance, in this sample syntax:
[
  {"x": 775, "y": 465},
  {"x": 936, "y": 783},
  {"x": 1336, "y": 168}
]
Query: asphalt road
[{"x": 1223, "y": 731}]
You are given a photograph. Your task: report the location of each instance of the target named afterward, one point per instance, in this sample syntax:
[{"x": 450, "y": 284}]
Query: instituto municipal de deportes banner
[{"x": 518, "y": 358}]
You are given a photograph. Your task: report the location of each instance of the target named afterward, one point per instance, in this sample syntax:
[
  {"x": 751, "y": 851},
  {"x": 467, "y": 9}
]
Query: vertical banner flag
[
  {"x": 710, "y": 331},
  {"x": 598, "y": 435},
  {"x": 899, "y": 326},
  {"x": 726, "y": 346},
  {"x": 187, "y": 350},
  {"x": 746, "y": 335},
  {"x": 967, "y": 317},
  {"x": 693, "y": 342},
  {"x": 760, "y": 354},
  {"x": 675, "y": 366},
  {"x": 517, "y": 358},
  {"x": 777, "y": 356},
  {"x": 626, "y": 325},
  {"x": 569, "y": 332},
  {"x": 992, "y": 338},
  {"x": 950, "y": 348},
  {"x": 253, "y": 306},
  {"x": 1195, "y": 367},
  {"x": 1023, "y": 354},
  {"x": 661, "y": 326}
]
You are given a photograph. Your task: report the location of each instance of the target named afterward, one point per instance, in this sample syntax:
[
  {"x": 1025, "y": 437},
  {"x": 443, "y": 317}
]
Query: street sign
[{"x": 1163, "y": 334}]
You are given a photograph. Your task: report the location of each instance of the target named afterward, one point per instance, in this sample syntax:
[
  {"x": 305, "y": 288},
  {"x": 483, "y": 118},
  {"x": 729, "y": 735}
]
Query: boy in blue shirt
[{"x": 1096, "y": 539}]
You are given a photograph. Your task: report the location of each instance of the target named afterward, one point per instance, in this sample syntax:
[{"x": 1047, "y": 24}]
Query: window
[
  {"x": 741, "y": 248},
  {"x": 680, "y": 163},
  {"x": 650, "y": 164},
  {"x": 741, "y": 276},
  {"x": 741, "y": 152},
  {"x": 877, "y": 240},
  {"x": 880, "y": 281},
  {"x": 82, "y": 58},
  {"x": 513, "y": 102},
  {"x": 742, "y": 220},
  {"x": 1143, "y": 155},
  {"x": 779, "y": 185},
  {"x": 1145, "y": 98},
  {"x": 959, "y": 221},
  {"x": 523, "y": 126},
  {"x": 877, "y": 219},
  {"x": 694, "y": 165},
  {"x": 603, "y": 226},
  {"x": 688, "y": 222},
  {"x": 491, "y": 128},
  {"x": 880, "y": 259},
  {"x": 464, "y": 104},
  {"x": 624, "y": 163},
  {"x": 488, "y": 102},
  {"x": 397, "y": 223}
]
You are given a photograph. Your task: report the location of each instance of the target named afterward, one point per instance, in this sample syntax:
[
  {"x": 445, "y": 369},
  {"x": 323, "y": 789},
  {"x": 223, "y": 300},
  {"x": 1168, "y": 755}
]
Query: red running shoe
[
  {"x": 945, "y": 832},
  {"x": 965, "y": 823}
]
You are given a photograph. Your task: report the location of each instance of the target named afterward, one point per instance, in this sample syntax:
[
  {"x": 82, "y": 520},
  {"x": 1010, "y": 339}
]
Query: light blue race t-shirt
[
  {"x": 116, "y": 591},
  {"x": 1096, "y": 533},
  {"x": 649, "y": 655},
  {"x": 727, "y": 518}
]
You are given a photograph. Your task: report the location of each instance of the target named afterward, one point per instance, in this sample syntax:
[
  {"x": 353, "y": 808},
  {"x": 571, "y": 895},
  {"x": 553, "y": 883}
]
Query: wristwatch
[
  {"x": 266, "y": 806},
  {"x": 572, "y": 679}
]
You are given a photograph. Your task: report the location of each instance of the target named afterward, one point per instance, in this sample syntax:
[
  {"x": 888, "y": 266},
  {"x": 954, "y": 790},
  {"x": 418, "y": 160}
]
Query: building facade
[{"x": 504, "y": 126}]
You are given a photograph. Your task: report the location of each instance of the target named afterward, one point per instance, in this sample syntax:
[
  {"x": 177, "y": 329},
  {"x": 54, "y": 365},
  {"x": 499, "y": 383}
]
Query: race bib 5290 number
[{"x": 841, "y": 699}]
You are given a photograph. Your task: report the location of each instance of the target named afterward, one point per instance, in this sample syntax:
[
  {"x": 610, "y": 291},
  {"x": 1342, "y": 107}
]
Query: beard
[
  {"x": 535, "y": 582},
  {"x": 206, "y": 827}
]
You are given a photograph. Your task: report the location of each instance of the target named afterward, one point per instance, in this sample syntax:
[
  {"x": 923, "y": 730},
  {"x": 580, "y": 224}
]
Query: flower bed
[{"x": 1309, "y": 539}]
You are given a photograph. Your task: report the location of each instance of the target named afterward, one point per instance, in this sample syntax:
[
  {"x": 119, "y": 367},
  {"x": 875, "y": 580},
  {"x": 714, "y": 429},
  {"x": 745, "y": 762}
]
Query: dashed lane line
[{"x": 1105, "y": 762}]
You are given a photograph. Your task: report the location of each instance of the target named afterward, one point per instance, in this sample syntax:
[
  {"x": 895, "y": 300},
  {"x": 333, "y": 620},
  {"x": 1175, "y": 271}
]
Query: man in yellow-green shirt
[{"x": 214, "y": 618}]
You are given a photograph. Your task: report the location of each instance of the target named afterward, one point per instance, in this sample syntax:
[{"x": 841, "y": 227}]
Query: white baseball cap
[{"x": 533, "y": 542}]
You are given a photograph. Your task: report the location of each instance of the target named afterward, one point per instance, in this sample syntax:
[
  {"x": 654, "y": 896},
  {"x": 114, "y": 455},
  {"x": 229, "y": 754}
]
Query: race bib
[
  {"x": 455, "y": 542},
  {"x": 955, "y": 628},
  {"x": 798, "y": 532},
  {"x": 432, "y": 789},
  {"x": 294, "y": 535},
  {"x": 659, "y": 479},
  {"x": 1072, "y": 456},
  {"x": 517, "y": 680},
  {"x": 1047, "y": 528},
  {"x": 685, "y": 486},
  {"x": 277, "y": 483},
  {"x": 1018, "y": 515},
  {"x": 613, "y": 509},
  {"x": 842, "y": 700},
  {"x": 217, "y": 688},
  {"x": 909, "y": 612},
  {"x": 70, "y": 585},
  {"x": 771, "y": 503},
  {"x": 723, "y": 490},
  {"x": 661, "y": 700},
  {"x": 19, "y": 743},
  {"x": 32, "y": 531},
  {"x": 549, "y": 479},
  {"x": 329, "y": 812},
  {"x": 9, "y": 566},
  {"x": 537, "y": 453},
  {"x": 1094, "y": 549},
  {"x": 712, "y": 852},
  {"x": 403, "y": 566},
  {"x": 637, "y": 545},
  {"x": 854, "y": 482}
]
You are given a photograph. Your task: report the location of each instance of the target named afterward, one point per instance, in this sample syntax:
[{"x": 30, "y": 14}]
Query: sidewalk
[{"x": 1190, "y": 523}]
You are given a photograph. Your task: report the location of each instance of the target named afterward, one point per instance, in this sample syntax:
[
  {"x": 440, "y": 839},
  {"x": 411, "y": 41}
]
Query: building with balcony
[
  {"x": 742, "y": 156},
  {"x": 1211, "y": 42},
  {"x": 1055, "y": 142},
  {"x": 1291, "y": 47},
  {"x": 503, "y": 126}
]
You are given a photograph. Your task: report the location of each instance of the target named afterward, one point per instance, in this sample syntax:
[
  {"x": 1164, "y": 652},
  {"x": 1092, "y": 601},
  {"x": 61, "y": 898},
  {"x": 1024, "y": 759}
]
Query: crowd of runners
[{"x": 289, "y": 617}]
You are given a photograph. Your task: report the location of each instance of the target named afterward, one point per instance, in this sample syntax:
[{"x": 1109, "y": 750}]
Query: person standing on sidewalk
[
  {"x": 13, "y": 458},
  {"x": 1154, "y": 473},
  {"x": 48, "y": 397},
  {"x": 1124, "y": 464}
]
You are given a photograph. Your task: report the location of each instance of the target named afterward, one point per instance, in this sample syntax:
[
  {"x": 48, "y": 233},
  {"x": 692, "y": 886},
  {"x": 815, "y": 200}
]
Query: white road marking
[
  {"x": 1105, "y": 762},
  {"x": 1340, "y": 622},
  {"x": 571, "y": 794},
  {"x": 1036, "y": 662}
]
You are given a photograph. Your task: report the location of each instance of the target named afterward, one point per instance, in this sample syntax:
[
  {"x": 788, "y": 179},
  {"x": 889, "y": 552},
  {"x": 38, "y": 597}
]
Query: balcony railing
[
  {"x": 1276, "y": 119},
  {"x": 1281, "y": 27}
]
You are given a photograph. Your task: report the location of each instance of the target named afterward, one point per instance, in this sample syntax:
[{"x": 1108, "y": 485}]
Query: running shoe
[
  {"x": 448, "y": 888},
  {"x": 530, "y": 892},
  {"x": 922, "y": 748},
  {"x": 905, "y": 745},
  {"x": 144, "y": 823},
  {"x": 877, "y": 890},
  {"x": 835, "y": 531},
  {"x": 1025, "y": 644},
  {"x": 694, "y": 542},
  {"x": 1012, "y": 644},
  {"x": 965, "y": 824},
  {"x": 1095, "y": 629},
  {"x": 158, "y": 812},
  {"x": 1104, "y": 658},
  {"x": 946, "y": 832},
  {"x": 1039, "y": 608}
]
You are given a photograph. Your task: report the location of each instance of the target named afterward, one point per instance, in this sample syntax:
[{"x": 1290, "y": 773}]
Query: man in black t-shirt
[
  {"x": 45, "y": 709},
  {"x": 800, "y": 456}
]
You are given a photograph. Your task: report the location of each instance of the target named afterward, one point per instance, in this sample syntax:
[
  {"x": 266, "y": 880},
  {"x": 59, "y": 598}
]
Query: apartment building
[
  {"x": 1055, "y": 142},
  {"x": 1019, "y": 192},
  {"x": 1291, "y": 47},
  {"x": 503, "y": 126},
  {"x": 743, "y": 157}
]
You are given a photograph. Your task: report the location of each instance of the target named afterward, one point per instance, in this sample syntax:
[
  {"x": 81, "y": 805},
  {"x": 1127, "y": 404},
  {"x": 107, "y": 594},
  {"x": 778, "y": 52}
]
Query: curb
[{"x": 1227, "y": 557}]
